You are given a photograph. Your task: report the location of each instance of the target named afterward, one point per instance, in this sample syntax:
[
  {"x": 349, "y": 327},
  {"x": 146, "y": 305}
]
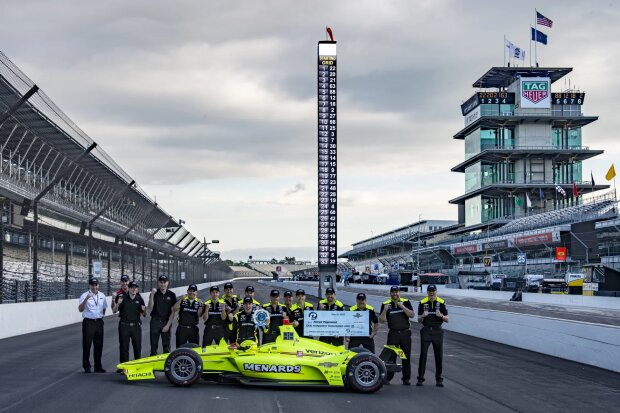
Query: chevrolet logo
[{"x": 327, "y": 364}]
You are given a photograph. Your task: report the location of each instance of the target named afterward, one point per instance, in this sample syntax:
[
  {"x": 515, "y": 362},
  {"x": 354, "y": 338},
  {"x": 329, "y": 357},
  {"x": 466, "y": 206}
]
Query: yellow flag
[{"x": 611, "y": 174}]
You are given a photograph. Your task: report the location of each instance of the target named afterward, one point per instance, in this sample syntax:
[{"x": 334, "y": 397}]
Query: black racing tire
[
  {"x": 188, "y": 345},
  {"x": 365, "y": 373},
  {"x": 183, "y": 367}
]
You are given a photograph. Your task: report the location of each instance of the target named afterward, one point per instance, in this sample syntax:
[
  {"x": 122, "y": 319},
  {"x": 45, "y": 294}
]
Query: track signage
[{"x": 327, "y": 159}]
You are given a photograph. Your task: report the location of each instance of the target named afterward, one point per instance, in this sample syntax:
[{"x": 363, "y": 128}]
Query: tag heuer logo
[{"x": 535, "y": 91}]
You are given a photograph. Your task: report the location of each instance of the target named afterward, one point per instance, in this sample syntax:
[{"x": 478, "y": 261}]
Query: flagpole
[
  {"x": 535, "y": 37},
  {"x": 504, "y": 50},
  {"x": 530, "y": 37}
]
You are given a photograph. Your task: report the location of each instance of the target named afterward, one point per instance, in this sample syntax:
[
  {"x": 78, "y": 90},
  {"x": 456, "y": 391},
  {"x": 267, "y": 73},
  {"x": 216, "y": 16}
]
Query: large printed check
[{"x": 336, "y": 323}]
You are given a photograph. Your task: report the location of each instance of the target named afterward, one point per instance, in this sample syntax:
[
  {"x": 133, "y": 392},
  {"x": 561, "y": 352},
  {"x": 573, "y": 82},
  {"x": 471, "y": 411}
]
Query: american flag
[{"x": 542, "y": 20}]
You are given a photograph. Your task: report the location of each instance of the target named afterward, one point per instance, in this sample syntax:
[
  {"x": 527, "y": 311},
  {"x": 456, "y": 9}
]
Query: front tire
[
  {"x": 183, "y": 367},
  {"x": 366, "y": 373}
]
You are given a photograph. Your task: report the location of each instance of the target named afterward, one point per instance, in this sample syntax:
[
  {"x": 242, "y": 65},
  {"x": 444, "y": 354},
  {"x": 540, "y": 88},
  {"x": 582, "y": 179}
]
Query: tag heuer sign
[{"x": 535, "y": 92}]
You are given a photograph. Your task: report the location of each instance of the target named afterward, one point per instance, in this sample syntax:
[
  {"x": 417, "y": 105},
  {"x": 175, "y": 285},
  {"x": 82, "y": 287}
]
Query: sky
[{"x": 211, "y": 106}]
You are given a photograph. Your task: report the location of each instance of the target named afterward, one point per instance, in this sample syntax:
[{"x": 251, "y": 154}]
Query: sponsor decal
[
  {"x": 311, "y": 351},
  {"x": 560, "y": 253},
  {"x": 300, "y": 353},
  {"x": 327, "y": 364},
  {"x": 535, "y": 92},
  {"x": 493, "y": 245},
  {"x": 271, "y": 368},
  {"x": 465, "y": 249},
  {"x": 140, "y": 375}
]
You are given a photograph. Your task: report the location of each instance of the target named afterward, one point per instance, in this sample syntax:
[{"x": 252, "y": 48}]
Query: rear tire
[
  {"x": 365, "y": 373},
  {"x": 183, "y": 367}
]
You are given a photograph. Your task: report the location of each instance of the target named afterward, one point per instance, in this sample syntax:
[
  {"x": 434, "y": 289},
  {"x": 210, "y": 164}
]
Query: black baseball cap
[
  {"x": 124, "y": 278},
  {"x": 300, "y": 292},
  {"x": 163, "y": 278},
  {"x": 93, "y": 281},
  {"x": 330, "y": 290},
  {"x": 288, "y": 293},
  {"x": 133, "y": 284},
  {"x": 214, "y": 288},
  {"x": 248, "y": 300},
  {"x": 431, "y": 287},
  {"x": 192, "y": 287},
  {"x": 274, "y": 293},
  {"x": 228, "y": 285},
  {"x": 249, "y": 288},
  {"x": 361, "y": 296},
  {"x": 394, "y": 288}
]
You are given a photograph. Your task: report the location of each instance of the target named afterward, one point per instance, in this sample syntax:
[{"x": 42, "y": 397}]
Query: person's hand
[
  {"x": 231, "y": 316},
  {"x": 295, "y": 323},
  {"x": 114, "y": 294},
  {"x": 165, "y": 329},
  {"x": 154, "y": 290},
  {"x": 120, "y": 300},
  {"x": 348, "y": 339},
  {"x": 400, "y": 305},
  {"x": 425, "y": 313},
  {"x": 438, "y": 313}
]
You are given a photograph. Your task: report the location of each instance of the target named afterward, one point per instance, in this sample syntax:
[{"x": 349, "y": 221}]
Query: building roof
[
  {"x": 577, "y": 153},
  {"x": 501, "y": 77},
  {"x": 508, "y": 121},
  {"x": 503, "y": 188}
]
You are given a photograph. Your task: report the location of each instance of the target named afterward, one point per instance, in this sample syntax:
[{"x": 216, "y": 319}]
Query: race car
[{"x": 290, "y": 361}]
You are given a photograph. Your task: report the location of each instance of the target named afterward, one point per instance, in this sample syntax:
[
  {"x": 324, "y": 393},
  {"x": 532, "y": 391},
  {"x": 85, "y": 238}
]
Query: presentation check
[{"x": 336, "y": 323}]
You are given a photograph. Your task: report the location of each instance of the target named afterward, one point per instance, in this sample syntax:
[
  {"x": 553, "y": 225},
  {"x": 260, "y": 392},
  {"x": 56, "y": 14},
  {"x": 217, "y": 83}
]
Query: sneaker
[
  {"x": 99, "y": 371},
  {"x": 420, "y": 383},
  {"x": 86, "y": 369},
  {"x": 406, "y": 382},
  {"x": 439, "y": 384},
  {"x": 119, "y": 371}
]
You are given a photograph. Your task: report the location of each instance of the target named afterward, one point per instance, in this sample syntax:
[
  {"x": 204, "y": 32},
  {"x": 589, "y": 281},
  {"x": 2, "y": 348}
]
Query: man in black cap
[
  {"x": 277, "y": 315},
  {"x": 190, "y": 310},
  {"x": 288, "y": 302},
  {"x": 130, "y": 308},
  {"x": 330, "y": 303},
  {"x": 369, "y": 341},
  {"x": 161, "y": 302},
  {"x": 296, "y": 311},
  {"x": 244, "y": 327},
  {"x": 432, "y": 313},
  {"x": 92, "y": 305},
  {"x": 124, "y": 289},
  {"x": 396, "y": 312},
  {"x": 215, "y": 318},
  {"x": 249, "y": 292},
  {"x": 232, "y": 307}
]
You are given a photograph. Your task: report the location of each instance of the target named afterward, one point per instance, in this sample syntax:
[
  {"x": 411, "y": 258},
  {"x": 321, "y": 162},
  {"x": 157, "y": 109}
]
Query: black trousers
[
  {"x": 270, "y": 337},
  {"x": 127, "y": 332},
  {"x": 428, "y": 336},
  {"x": 334, "y": 341},
  {"x": 187, "y": 335},
  {"x": 156, "y": 331},
  {"x": 213, "y": 332},
  {"x": 92, "y": 333},
  {"x": 402, "y": 339},
  {"x": 366, "y": 342}
]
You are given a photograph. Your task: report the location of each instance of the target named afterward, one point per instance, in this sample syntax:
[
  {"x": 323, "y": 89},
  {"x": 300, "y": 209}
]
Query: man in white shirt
[{"x": 92, "y": 306}]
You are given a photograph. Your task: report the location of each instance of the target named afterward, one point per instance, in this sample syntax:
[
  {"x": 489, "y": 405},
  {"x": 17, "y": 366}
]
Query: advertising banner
[
  {"x": 535, "y": 93},
  {"x": 560, "y": 253}
]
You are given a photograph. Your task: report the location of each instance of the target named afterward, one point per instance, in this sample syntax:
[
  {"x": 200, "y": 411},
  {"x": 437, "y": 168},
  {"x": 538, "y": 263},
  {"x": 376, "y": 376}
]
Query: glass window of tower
[{"x": 473, "y": 210}]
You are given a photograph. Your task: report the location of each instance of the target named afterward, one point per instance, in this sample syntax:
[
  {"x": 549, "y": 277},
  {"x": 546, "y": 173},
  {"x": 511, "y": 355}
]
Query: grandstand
[
  {"x": 69, "y": 211},
  {"x": 240, "y": 271}
]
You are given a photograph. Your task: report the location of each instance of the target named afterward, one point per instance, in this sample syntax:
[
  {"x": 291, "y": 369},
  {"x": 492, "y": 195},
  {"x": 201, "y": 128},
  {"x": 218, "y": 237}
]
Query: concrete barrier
[
  {"x": 24, "y": 318},
  {"x": 568, "y": 300},
  {"x": 589, "y": 343}
]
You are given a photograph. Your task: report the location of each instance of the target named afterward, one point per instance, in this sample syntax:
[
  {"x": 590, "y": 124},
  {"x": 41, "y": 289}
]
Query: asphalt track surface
[{"x": 42, "y": 372}]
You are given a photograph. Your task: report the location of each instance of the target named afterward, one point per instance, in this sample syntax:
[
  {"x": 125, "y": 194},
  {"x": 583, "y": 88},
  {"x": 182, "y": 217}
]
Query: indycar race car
[{"x": 289, "y": 361}]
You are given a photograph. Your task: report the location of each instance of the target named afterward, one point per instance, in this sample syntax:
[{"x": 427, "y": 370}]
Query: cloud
[{"x": 298, "y": 187}]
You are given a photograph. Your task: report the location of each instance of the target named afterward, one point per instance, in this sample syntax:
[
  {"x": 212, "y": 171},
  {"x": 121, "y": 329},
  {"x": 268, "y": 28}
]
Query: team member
[
  {"x": 92, "y": 306},
  {"x": 329, "y": 303},
  {"x": 130, "y": 307},
  {"x": 215, "y": 318},
  {"x": 244, "y": 327},
  {"x": 190, "y": 310},
  {"x": 161, "y": 302},
  {"x": 432, "y": 313},
  {"x": 277, "y": 315},
  {"x": 232, "y": 307},
  {"x": 366, "y": 342},
  {"x": 124, "y": 289},
  {"x": 397, "y": 312},
  {"x": 296, "y": 311},
  {"x": 249, "y": 292},
  {"x": 288, "y": 302}
]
